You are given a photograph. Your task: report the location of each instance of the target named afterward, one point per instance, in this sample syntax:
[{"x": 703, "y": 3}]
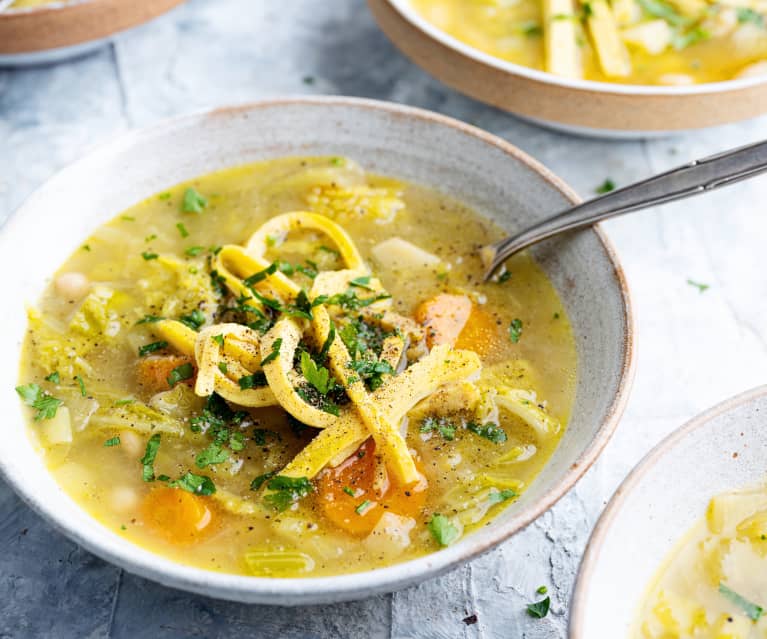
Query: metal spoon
[{"x": 695, "y": 177}]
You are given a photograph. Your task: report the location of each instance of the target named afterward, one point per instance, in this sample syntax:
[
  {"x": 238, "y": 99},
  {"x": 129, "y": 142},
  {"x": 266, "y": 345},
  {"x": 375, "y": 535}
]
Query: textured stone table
[{"x": 695, "y": 348}]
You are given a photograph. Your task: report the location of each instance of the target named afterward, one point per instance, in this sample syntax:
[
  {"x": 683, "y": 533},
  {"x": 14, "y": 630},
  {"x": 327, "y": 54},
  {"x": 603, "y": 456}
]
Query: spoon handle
[{"x": 689, "y": 179}]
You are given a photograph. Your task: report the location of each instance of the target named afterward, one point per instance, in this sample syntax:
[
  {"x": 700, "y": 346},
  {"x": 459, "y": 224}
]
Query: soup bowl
[
  {"x": 721, "y": 450},
  {"x": 483, "y": 171},
  {"x": 66, "y": 28},
  {"x": 578, "y": 106}
]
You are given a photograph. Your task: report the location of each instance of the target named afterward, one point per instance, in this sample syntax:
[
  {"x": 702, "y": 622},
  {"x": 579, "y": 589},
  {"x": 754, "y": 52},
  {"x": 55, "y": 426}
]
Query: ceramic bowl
[
  {"x": 577, "y": 106},
  {"x": 723, "y": 449},
  {"x": 64, "y": 29},
  {"x": 484, "y": 171}
]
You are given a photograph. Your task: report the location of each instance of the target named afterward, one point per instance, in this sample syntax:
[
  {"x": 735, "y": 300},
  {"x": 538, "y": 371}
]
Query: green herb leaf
[
  {"x": 194, "y": 320},
  {"x": 542, "y": 590},
  {"x": 114, "y": 441},
  {"x": 745, "y": 14},
  {"x": 260, "y": 275},
  {"x": 349, "y": 491},
  {"x": 180, "y": 373},
  {"x": 196, "y": 484},
  {"x": 219, "y": 339},
  {"x": 683, "y": 40},
  {"x": 213, "y": 454},
  {"x": 371, "y": 371},
  {"x": 164, "y": 196},
  {"x": 285, "y": 491},
  {"x": 752, "y": 610},
  {"x": 701, "y": 287},
  {"x": 149, "y": 319},
  {"x": 54, "y": 377},
  {"x": 443, "y": 530},
  {"x": 44, "y": 403},
  {"x": 363, "y": 507},
  {"x": 361, "y": 282},
  {"x": 660, "y": 9},
  {"x": 494, "y": 433},
  {"x": 194, "y": 201},
  {"x": 444, "y": 427},
  {"x": 147, "y": 461},
  {"x": 515, "y": 330},
  {"x": 317, "y": 376},
  {"x": 606, "y": 186},
  {"x": 276, "y": 345},
  {"x": 149, "y": 256},
  {"x": 259, "y": 481},
  {"x": 81, "y": 384},
  {"x": 182, "y": 229},
  {"x": 223, "y": 367},
  {"x": 504, "y": 277},
  {"x": 500, "y": 496},
  {"x": 323, "y": 354},
  {"x": 539, "y": 609},
  {"x": 151, "y": 348},
  {"x": 194, "y": 251},
  {"x": 252, "y": 381}
]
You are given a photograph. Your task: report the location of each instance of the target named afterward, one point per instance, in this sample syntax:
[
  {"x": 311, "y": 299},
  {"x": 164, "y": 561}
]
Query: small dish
[
  {"x": 723, "y": 449},
  {"x": 67, "y": 28},
  {"x": 576, "y": 106},
  {"x": 485, "y": 172}
]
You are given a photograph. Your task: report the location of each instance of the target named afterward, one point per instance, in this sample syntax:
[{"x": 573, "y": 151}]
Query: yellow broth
[
  {"x": 686, "y": 42},
  {"x": 712, "y": 585},
  {"x": 153, "y": 260}
]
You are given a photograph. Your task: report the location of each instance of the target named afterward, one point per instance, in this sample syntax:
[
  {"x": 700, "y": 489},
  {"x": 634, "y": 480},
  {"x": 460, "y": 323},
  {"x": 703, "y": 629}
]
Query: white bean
[
  {"x": 72, "y": 286},
  {"x": 123, "y": 498}
]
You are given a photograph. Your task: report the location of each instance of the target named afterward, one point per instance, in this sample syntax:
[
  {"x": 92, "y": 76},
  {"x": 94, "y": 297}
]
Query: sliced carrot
[
  {"x": 481, "y": 334},
  {"x": 444, "y": 317},
  {"x": 176, "y": 514},
  {"x": 349, "y": 500},
  {"x": 152, "y": 372}
]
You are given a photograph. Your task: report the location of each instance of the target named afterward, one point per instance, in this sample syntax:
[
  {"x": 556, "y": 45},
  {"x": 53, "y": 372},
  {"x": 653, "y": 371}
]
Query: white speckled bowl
[
  {"x": 484, "y": 171},
  {"x": 723, "y": 449}
]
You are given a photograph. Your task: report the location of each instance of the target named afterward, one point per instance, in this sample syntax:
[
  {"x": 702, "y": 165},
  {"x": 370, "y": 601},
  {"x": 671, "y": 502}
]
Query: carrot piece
[
  {"x": 444, "y": 317},
  {"x": 349, "y": 501},
  {"x": 152, "y": 372},
  {"x": 482, "y": 333},
  {"x": 178, "y": 515}
]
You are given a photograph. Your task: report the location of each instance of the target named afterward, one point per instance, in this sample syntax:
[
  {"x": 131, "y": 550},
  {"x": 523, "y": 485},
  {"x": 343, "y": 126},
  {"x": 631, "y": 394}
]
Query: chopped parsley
[
  {"x": 683, "y": 40},
  {"x": 349, "y": 491},
  {"x": 149, "y": 319},
  {"x": 182, "y": 229},
  {"x": 539, "y": 609},
  {"x": 515, "y": 330},
  {"x": 251, "y": 381},
  {"x": 164, "y": 196},
  {"x": 494, "y": 433},
  {"x": 276, "y": 345},
  {"x": 753, "y": 611},
  {"x": 147, "y": 461},
  {"x": 318, "y": 376},
  {"x": 215, "y": 453},
  {"x": 194, "y": 320},
  {"x": 180, "y": 373},
  {"x": 363, "y": 507},
  {"x": 443, "y": 530},
  {"x": 746, "y": 14},
  {"x": 194, "y": 251},
  {"x": 43, "y": 402},
  {"x": 124, "y": 402},
  {"x": 223, "y": 367},
  {"x": 542, "y": 590},
  {"x": 151, "y": 348},
  {"x": 371, "y": 371},
  {"x": 259, "y": 276},
  {"x": 323, "y": 354},
  {"x": 54, "y": 377},
  {"x": 504, "y": 277},
  {"x": 285, "y": 491},
  {"x": 259, "y": 481},
  {"x": 81, "y": 384},
  {"x": 114, "y": 441},
  {"x": 498, "y": 497},
  {"x": 149, "y": 256},
  {"x": 151, "y": 237},
  {"x": 194, "y": 201},
  {"x": 361, "y": 282},
  {"x": 701, "y": 287},
  {"x": 195, "y": 484},
  {"x": 441, "y": 425},
  {"x": 661, "y": 9}
]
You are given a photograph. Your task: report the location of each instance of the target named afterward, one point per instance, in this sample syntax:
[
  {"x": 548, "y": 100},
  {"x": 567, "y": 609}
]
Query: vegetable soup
[{"x": 292, "y": 368}]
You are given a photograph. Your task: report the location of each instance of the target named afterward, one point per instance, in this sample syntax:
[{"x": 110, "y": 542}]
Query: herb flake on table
[
  {"x": 539, "y": 609},
  {"x": 606, "y": 186},
  {"x": 702, "y": 288}
]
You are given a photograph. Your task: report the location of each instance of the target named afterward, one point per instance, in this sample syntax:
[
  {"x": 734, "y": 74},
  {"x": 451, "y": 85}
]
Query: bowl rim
[
  {"x": 365, "y": 583},
  {"x": 627, "y": 486},
  {"x": 406, "y": 11}
]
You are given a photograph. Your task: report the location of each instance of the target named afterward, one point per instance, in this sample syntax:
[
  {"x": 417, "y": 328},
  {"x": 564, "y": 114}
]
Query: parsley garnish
[
  {"x": 213, "y": 454},
  {"x": 745, "y": 14},
  {"x": 371, "y": 371},
  {"x": 494, "y": 433},
  {"x": 539, "y": 609},
  {"x": 260, "y": 275},
  {"x": 194, "y": 320},
  {"x": 194, "y": 201},
  {"x": 443, "y": 530},
  {"x": 196, "y": 484},
  {"x": 542, "y": 590},
  {"x": 182, "y": 229},
  {"x": 81, "y": 384},
  {"x": 444, "y": 427},
  {"x": 752, "y": 610},
  {"x": 701, "y": 287},
  {"x": 361, "y": 282},
  {"x": 43, "y": 402},
  {"x": 515, "y": 330},
  {"x": 164, "y": 196},
  {"x": 194, "y": 251},
  {"x": 251, "y": 381},
  {"x": 151, "y": 348},
  {"x": 276, "y": 345},
  {"x": 219, "y": 339},
  {"x": 317, "y": 376},
  {"x": 124, "y": 402},
  {"x": 504, "y": 277},
  {"x": 349, "y": 491},
  {"x": 223, "y": 367},
  {"x": 500, "y": 496},
  {"x": 327, "y": 249},
  {"x": 149, "y": 256},
  {"x": 660, "y": 9},
  {"x": 147, "y": 461},
  {"x": 180, "y": 373},
  {"x": 363, "y": 507},
  {"x": 606, "y": 186},
  {"x": 151, "y": 237},
  {"x": 114, "y": 441},
  {"x": 54, "y": 377},
  {"x": 149, "y": 319},
  {"x": 286, "y": 491},
  {"x": 683, "y": 40},
  {"x": 323, "y": 354},
  {"x": 259, "y": 481}
]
